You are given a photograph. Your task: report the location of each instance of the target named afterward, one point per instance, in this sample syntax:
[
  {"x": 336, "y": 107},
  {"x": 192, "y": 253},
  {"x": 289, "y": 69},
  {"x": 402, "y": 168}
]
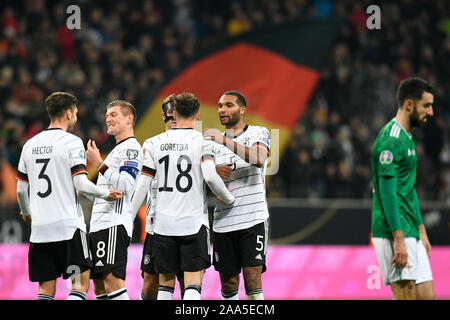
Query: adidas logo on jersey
[
  {"x": 99, "y": 264},
  {"x": 258, "y": 257},
  {"x": 411, "y": 152}
]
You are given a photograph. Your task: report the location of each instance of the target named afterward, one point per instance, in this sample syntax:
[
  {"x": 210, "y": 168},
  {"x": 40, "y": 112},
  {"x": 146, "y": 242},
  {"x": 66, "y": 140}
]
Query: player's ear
[
  {"x": 175, "y": 115},
  {"x": 163, "y": 116},
  {"x": 243, "y": 110},
  {"x": 68, "y": 114},
  {"x": 408, "y": 105},
  {"x": 197, "y": 117}
]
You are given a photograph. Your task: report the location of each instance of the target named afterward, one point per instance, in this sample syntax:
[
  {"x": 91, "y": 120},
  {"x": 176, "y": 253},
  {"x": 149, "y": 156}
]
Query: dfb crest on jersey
[
  {"x": 386, "y": 157},
  {"x": 147, "y": 259},
  {"x": 245, "y": 142},
  {"x": 132, "y": 154}
]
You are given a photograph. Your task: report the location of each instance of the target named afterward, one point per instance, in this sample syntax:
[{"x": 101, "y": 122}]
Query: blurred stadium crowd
[{"x": 127, "y": 49}]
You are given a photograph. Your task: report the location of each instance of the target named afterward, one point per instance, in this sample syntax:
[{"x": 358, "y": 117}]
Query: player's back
[
  {"x": 180, "y": 207},
  {"x": 49, "y": 160}
]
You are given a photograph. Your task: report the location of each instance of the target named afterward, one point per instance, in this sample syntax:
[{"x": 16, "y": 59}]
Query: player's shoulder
[
  {"x": 388, "y": 139},
  {"x": 258, "y": 131},
  {"x": 59, "y": 138},
  {"x": 257, "y": 128},
  {"x": 69, "y": 138}
]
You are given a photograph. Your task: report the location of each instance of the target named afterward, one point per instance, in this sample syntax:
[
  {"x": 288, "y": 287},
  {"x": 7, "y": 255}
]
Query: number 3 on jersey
[
  {"x": 181, "y": 173},
  {"x": 42, "y": 175}
]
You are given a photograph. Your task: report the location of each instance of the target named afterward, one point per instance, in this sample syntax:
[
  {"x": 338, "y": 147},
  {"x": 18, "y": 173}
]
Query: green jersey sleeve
[{"x": 390, "y": 154}]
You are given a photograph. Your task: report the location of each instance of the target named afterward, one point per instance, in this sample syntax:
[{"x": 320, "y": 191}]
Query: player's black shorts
[
  {"x": 176, "y": 254},
  {"x": 242, "y": 248},
  {"x": 47, "y": 261},
  {"x": 148, "y": 262},
  {"x": 109, "y": 249}
]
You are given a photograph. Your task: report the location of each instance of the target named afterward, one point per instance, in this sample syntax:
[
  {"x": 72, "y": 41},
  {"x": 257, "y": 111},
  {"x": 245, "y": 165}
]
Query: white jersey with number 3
[
  {"x": 181, "y": 203},
  {"x": 48, "y": 162}
]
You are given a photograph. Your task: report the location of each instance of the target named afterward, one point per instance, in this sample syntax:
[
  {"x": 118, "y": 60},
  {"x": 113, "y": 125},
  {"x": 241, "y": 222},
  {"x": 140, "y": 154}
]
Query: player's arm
[
  {"x": 256, "y": 154},
  {"x": 212, "y": 179},
  {"x": 421, "y": 225},
  {"x": 23, "y": 198},
  {"x": 389, "y": 201},
  {"x": 23, "y": 192},
  {"x": 143, "y": 186},
  {"x": 388, "y": 167},
  {"x": 77, "y": 163},
  {"x": 91, "y": 191},
  {"x": 123, "y": 180}
]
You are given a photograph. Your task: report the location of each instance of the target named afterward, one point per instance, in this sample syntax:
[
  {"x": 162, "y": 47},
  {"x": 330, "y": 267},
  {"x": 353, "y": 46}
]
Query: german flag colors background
[{"x": 276, "y": 75}]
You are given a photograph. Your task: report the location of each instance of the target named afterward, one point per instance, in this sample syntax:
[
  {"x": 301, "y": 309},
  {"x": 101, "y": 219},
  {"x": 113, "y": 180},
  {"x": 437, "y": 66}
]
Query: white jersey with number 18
[
  {"x": 176, "y": 156},
  {"x": 48, "y": 162}
]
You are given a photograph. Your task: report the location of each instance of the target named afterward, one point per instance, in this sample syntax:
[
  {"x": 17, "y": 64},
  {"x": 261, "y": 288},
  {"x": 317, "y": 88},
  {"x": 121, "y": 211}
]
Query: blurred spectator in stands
[{"x": 129, "y": 48}]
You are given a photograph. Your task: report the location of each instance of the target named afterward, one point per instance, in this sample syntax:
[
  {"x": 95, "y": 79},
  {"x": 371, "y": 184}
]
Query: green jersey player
[{"x": 399, "y": 236}]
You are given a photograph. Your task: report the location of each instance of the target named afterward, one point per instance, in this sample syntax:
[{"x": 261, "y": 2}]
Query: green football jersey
[{"x": 394, "y": 155}]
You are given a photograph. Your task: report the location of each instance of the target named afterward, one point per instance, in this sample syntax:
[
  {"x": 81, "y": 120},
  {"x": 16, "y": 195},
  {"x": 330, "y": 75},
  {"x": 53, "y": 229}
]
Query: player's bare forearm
[
  {"x": 254, "y": 155},
  {"x": 424, "y": 238},
  {"x": 400, "y": 257}
]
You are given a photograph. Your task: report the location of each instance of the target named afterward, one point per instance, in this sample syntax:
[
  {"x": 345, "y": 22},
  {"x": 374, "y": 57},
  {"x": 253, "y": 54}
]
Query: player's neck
[
  {"x": 402, "y": 118},
  {"x": 182, "y": 123},
  {"x": 57, "y": 124},
  {"x": 124, "y": 135},
  {"x": 238, "y": 127}
]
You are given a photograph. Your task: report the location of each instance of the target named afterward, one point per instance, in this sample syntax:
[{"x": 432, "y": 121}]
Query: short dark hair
[
  {"x": 240, "y": 99},
  {"x": 187, "y": 105},
  {"x": 125, "y": 107},
  {"x": 58, "y": 103},
  {"x": 412, "y": 88}
]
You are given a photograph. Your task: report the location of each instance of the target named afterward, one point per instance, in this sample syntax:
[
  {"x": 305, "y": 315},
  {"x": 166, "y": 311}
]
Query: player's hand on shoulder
[
  {"x": 114, "y": 195},
  {"x": 25, "y": 218},
  {"x": 225, "y": 171},
  {"x": 212, "y": 134}
]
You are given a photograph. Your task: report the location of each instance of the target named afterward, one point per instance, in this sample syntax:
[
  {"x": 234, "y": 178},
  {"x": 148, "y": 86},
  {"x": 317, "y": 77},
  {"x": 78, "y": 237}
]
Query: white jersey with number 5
[
  {"x": 246, "y": 182},
  {"x": 181, "y": 203},
  {"x": 48, "y": 162}
]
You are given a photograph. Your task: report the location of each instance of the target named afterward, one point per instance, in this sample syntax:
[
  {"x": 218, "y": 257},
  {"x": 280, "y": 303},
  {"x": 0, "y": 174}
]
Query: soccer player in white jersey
[
  {"x": 182, "y": 161},
  {"x": 52, "y": 168},
  {"x": 151, "y": 281},
  {"x": 240, "y": 230},
  {"x": 111, "y": 226}
]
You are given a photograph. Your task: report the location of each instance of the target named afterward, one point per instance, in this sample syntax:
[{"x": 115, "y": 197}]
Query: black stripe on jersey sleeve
[
  {"x": 259, "y": 143},
  {"x": 148, "y": 171},
  {"x": 103, "y": 169},
  {"x": 207, "y": 157},
  {"x": 80, "y": 168},
  {"x": 22, "y": 176}
]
